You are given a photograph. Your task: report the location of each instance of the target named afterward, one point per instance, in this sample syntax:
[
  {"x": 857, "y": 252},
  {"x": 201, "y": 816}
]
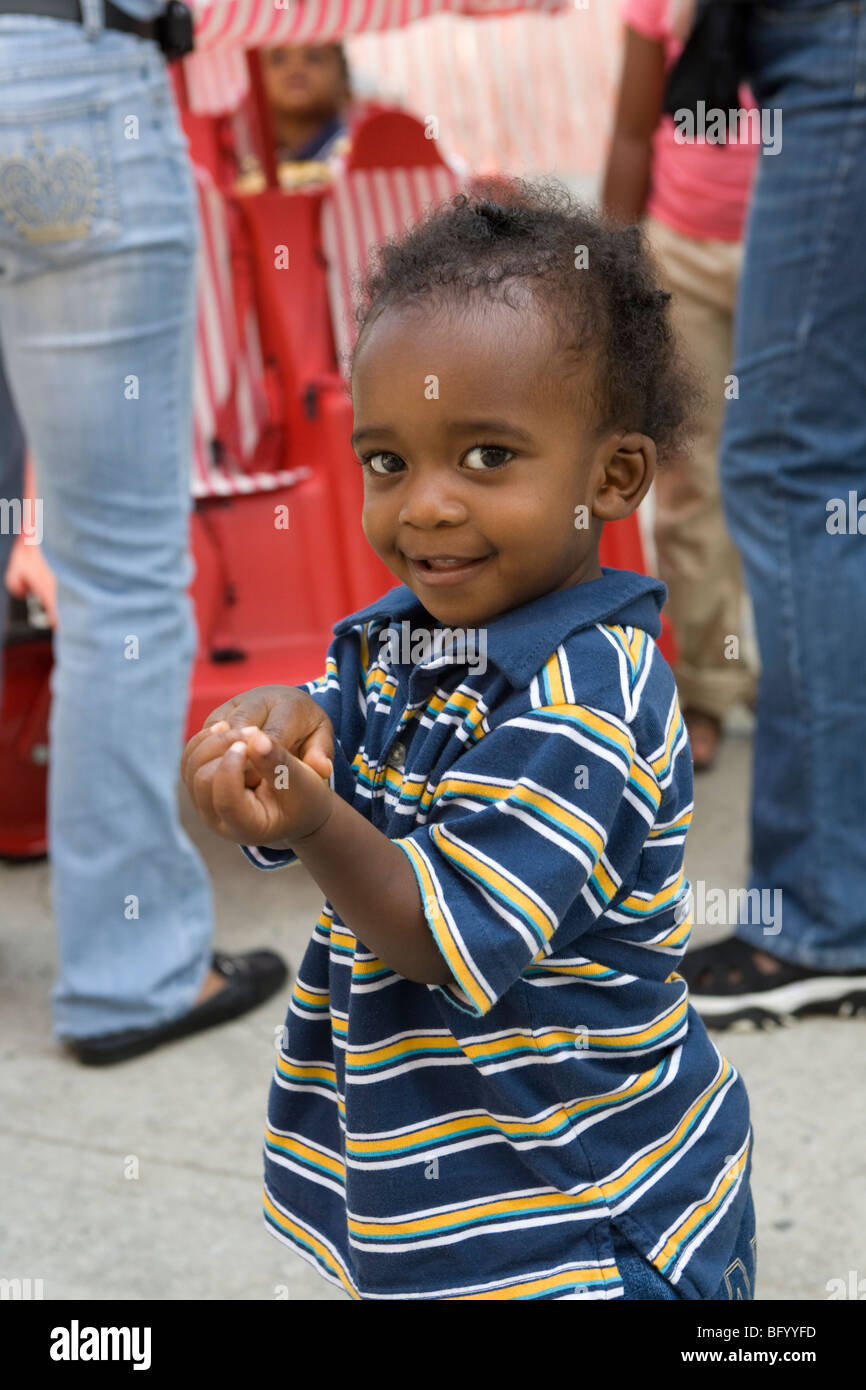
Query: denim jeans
[
  {"x": 98, "y": 237},
  {"x": 793, "y": 456},
  {"x": 642, "y": 1280}
]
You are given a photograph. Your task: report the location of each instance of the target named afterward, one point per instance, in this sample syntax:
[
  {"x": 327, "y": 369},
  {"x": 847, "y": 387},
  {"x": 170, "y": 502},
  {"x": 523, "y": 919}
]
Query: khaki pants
[{"x": 696, "y": 557}]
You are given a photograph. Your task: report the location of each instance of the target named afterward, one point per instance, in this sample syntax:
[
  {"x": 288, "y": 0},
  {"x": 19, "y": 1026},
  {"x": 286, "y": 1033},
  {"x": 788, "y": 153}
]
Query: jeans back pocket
[{"x": 59, "y": 198}]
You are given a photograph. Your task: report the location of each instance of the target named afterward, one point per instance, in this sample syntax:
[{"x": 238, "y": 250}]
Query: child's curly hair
[{"x": 597, "y": 279}]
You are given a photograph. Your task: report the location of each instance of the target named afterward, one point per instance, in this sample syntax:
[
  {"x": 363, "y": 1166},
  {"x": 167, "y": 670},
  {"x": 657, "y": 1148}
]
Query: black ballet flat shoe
[{"x": 252, "y": 978}]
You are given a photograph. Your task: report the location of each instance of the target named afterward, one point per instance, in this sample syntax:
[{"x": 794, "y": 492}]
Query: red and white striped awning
[
  {"x": 255, "y": 23},
  {"x": 216, "y": 72},
  {"x": 526, "y": 88}
]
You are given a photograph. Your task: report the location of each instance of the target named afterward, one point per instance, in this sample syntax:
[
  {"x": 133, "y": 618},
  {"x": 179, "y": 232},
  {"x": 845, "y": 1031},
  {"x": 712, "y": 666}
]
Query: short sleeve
[
  {"x": 647, "y": 17},
  {"x": 325, "y": 689},
  {"x": 528, "y": 842}
]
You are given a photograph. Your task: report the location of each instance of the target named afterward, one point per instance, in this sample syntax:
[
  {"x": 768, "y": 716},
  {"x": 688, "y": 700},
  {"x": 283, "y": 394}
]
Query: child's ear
[{"x": 627, "y": 465}]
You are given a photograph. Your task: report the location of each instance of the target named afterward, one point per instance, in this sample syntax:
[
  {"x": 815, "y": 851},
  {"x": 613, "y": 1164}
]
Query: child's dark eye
[
  {"x": 382, "y": 463},
  {"x": 485, "y": 457}
]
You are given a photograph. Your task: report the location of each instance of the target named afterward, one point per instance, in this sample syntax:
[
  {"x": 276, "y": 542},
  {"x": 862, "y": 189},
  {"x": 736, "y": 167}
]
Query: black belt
[{"x": 70, "y": 9}]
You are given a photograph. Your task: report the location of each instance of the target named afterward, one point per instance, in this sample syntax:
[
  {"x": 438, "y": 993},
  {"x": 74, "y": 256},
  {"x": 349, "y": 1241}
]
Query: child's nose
[{"x": 430, "y": 501}]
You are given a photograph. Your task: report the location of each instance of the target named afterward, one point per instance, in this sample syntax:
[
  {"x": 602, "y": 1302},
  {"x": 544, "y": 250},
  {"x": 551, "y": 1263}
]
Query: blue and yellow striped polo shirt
[{"x": 477, "y": 1140}]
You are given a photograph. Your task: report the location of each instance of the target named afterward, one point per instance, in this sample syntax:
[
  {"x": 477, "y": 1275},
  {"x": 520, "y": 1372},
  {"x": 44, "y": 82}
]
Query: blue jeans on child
[
  {"x": 98, "y": 237},
  {"x": 643, "y": 1281},
  {"x": 792, "y": 460}
]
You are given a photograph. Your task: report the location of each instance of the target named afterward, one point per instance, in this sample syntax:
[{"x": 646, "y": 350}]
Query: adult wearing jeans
[
  {"x": 98, "y": 234},
  {"x": 793, "y": 455}
]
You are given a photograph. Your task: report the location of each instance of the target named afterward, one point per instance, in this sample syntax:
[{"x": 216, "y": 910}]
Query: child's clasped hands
[{"x": 243, "y": 779}]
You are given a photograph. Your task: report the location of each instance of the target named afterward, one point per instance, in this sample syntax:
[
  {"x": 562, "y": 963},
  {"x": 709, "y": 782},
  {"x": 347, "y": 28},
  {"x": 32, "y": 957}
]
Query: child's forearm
[
  {"x": 639, "y": 107},
  {"x": 371, "y": 884},
  {"x": 627, "y": 179}
]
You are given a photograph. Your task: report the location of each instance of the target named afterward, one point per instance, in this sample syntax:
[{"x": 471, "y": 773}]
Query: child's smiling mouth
[{"x": 445, "y": 569}]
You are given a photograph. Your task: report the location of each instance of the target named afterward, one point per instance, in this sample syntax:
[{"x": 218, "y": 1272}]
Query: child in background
[
  {"x": 308, "y": 91},
  {"x": 693, "y": 198},
  {"x": 490, "y": 1083}
]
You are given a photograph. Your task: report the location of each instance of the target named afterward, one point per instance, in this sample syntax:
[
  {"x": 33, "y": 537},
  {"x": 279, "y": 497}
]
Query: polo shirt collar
[{"x": 520, "y": 641}]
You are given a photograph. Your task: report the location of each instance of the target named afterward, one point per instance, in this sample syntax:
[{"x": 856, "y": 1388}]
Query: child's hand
[
  {"x": 286, "y": 802},
  {"x": 289, "y": 716}
]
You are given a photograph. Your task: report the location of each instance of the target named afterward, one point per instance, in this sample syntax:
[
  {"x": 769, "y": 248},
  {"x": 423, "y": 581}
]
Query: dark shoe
[
  {"x": 727, "y": 988},
  {"x": 252, "y": 978}
]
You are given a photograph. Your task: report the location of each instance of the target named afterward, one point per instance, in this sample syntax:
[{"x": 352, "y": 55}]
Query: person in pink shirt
[{"x": 692, "y": 196}]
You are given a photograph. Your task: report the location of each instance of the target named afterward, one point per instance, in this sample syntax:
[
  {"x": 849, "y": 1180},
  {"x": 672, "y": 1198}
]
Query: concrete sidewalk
[{"x": 143, "y": 1181}]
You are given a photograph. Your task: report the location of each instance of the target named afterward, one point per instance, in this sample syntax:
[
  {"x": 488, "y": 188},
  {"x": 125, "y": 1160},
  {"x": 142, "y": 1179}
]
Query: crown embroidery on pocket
[{"x": 49, "y": 195}]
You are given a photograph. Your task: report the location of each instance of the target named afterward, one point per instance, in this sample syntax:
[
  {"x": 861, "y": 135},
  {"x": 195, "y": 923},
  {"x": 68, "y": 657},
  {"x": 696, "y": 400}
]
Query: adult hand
[{"x": 27, "y": 573}]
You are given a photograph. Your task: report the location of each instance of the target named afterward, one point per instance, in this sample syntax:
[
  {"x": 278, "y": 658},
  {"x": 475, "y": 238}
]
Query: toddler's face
[
  {"x": 304, "y": 79},
  {"x": 477, "y": 460}
]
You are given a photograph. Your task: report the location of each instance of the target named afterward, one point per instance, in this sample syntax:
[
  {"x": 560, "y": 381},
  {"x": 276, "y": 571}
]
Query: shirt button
[{"x": 398, "y": 755}]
